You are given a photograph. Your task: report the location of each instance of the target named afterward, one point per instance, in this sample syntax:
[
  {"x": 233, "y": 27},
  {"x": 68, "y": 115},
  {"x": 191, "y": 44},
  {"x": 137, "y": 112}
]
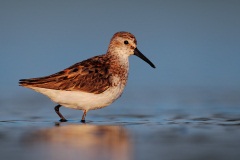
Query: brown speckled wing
[{"x": 91, "y": 76}]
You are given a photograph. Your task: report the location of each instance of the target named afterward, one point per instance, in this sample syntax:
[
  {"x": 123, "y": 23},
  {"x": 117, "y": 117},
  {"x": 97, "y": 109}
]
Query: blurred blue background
[
  {"x": 186, "y": 108},
  {"x": 194, "y": 44}
]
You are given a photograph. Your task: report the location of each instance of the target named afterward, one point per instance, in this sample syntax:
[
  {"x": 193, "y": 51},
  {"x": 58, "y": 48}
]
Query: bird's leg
[
  {"x": 84, "y": 115},
  {"x": 59, "y": 114}
]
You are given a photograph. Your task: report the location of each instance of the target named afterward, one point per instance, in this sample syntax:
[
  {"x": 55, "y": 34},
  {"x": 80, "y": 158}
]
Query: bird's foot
[{"x": 63, "y": 120}]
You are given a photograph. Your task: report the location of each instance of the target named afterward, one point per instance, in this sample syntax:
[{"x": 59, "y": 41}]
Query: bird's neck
[{"x": 119, "y": 58}]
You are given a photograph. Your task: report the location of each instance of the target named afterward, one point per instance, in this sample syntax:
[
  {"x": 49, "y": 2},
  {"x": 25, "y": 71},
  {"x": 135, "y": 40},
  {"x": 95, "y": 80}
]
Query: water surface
[{"x": 177, "y": 125}]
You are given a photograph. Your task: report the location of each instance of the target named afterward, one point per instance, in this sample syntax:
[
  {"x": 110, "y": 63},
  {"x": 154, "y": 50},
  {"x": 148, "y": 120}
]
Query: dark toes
[{"x": 63, "y": 120}]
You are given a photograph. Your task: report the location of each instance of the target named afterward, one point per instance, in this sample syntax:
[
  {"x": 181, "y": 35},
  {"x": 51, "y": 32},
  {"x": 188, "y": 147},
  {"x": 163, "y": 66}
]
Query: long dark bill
[{"x": 140, "y": 55}]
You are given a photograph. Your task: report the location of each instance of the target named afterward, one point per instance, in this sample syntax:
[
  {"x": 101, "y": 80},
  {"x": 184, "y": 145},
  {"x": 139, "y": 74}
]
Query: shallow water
[{"x": 167, "y": 125}]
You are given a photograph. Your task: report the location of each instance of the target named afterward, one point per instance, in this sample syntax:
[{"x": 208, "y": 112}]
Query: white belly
[{"x": 82, "y": 100}]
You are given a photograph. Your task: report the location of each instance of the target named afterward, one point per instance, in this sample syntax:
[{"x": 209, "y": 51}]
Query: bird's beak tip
[{"x": 140, "y": 55}]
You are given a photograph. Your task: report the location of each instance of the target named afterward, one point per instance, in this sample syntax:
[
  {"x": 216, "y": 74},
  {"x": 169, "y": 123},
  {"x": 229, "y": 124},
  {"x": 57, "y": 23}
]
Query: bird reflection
[{"x": 83, "y": 142}]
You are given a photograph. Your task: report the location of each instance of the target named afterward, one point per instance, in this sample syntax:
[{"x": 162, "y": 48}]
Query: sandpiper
[{"x": 93, "y": 83}]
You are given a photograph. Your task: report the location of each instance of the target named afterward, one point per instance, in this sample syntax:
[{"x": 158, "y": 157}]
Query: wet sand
[{"x": 200, "y": 127}]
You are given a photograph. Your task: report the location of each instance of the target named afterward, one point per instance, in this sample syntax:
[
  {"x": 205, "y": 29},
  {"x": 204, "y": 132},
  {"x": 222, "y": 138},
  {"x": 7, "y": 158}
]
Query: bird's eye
[{"x": 125, "y": 42}]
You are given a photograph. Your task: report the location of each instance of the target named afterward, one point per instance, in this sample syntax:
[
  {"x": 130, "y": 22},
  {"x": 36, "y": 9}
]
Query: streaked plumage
[{"x": 93, "y": 83}]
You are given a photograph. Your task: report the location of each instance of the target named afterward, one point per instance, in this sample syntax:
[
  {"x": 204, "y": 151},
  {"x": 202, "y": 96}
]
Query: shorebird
[{"x": 93, "y": 83}]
